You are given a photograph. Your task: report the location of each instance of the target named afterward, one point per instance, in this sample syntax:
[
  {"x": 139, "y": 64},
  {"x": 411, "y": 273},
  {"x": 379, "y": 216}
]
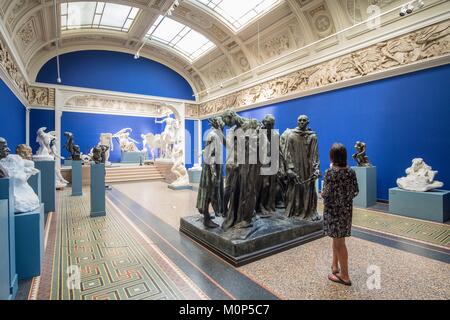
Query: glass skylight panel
[
  {"x": 93, "y": 15},
  {"x": 239, "y": 13},
  {"x": 180, "y": 37}
]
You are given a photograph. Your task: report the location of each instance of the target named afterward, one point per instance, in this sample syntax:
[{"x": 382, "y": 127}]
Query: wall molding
[{"x": 423, "y": 48}]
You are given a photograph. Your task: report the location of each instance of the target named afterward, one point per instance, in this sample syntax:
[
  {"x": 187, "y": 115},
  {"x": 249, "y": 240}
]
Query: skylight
[
  {"x": 97, "y": 15},
  {"x": 239, "y": 13},
  {"x": 180, "y": 37}
]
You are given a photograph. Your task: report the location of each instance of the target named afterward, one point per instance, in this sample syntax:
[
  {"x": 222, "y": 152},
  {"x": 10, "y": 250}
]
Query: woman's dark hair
[{"x": 338, "y": 155}]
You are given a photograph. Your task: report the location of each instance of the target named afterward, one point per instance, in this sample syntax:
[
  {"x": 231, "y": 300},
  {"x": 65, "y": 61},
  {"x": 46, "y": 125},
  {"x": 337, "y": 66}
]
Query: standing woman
[{"x": 340, "y": 187}]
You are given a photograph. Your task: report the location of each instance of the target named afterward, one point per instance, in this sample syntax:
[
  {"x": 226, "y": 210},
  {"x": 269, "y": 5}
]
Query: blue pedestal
[
  {"x": 432, "y": 205},
  {"x": 68, "y": 163},
  {"x": 77, "y": 178},
  {"x": 7, "y": 194},
  {"x": 367, "y": 184},
  {"x": 194, "y": 175},
  {"x": 35, "y": 182},
  {"x": 132, "y": 157},
  {"x": 48, "y": 184},
  {"x": 4, "y": 251},
  {"x": 29, "y": 243},
  {"x": 98, "y": 190},
  {"x": 185, "y": 187}
]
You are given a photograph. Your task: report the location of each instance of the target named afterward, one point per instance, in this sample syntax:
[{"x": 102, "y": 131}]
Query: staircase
[{"x": 133, "y": 173}]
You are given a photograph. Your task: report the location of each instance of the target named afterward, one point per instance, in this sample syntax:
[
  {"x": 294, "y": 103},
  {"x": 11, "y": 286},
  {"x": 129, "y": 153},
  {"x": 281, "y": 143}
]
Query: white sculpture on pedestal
[
  {"x": 178, "y": 168},
  {"x": 169, "y": 137},
  {"x": 47, "y": 151},
  {"x": 153, "y": 142},
  {"x": 44, "y": 139},
  {"x": 126, "y": 143},
  {"x": 106, "y": 139},
  {"x": 25, "y": 199},
  {"x": 420, "y": 177}
]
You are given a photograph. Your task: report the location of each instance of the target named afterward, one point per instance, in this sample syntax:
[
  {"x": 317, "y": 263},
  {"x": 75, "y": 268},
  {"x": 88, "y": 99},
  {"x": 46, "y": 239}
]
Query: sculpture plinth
[
  {"x": 132, "y": 157},
  {"x": 267, "y": 236}
]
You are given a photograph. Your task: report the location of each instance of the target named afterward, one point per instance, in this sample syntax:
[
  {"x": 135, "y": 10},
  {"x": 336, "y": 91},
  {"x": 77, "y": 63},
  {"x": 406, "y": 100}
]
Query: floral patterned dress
[{"x": 340, "y": 187}]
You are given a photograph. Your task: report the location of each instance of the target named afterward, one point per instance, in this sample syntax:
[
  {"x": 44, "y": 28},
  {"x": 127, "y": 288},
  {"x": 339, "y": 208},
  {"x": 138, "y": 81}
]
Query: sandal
[{"x": 337, "y": 279}]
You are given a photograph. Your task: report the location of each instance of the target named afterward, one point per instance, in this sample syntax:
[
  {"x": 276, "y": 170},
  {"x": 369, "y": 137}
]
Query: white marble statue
[
  {"x": 153, "y": 142},
  {"x": 44, "y": 139},
  {"x": 60, "y": 181},
  {"x": 169, "y": 137},
  {"x": 25, "y": 199},
  {"x": 419, "y": 177},
  {"x": 178, "y": 168},
  {"x": 47, "y": 151},
  {"x": 126, "y": 143},
  {"x": 106, "y": 139}
]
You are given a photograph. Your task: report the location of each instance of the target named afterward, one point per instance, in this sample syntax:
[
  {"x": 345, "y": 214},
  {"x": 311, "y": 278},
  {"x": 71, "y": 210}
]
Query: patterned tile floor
[
  {"x": 136, "y": 252},
  {"x": 111, "y": 260}
]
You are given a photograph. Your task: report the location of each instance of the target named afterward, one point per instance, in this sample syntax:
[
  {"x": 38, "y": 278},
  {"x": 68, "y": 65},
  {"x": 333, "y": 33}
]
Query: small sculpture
[
  {"x": 106, "y": 139},
  {"x": 126, "y": 143},
  {"x": 419, "y": 177},
  {"x": 24, "y": 151},
  {"x": 99, "y": 154},
  {"x": 360, "y": 156},
  {"x": 4, "y": 150},
  {"x": 25, "y": 199},
  {"x": 71, "y": 147},
  {"x": 178, "y": 168},
  {"x": 44, "y": 139},
  {"x": 169, "y": 137}
]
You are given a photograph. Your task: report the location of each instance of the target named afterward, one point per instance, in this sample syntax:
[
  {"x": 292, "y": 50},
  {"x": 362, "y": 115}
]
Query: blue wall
[
  {"x": 87, "y": 128},
  {"x": 39, "y": 119},
  {"x": 190, "y": 142},
  {"x": 399, "y": 118},
  {"x": 12, "y": 126},
  {"x": 116, "y": 71}
]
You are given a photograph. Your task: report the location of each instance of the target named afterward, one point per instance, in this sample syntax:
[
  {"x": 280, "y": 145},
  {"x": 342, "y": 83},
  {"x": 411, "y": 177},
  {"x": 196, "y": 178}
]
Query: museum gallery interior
[{"x": 224, "y": 149}]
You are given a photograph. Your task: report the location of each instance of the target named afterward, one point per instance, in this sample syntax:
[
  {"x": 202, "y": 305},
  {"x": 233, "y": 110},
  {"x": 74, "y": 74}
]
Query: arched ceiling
[{"x": 290, "y": 25}]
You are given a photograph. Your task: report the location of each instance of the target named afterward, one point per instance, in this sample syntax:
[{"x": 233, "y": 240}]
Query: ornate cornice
[
  {"x": 34, "y": 96},
  {"x": 109, "y": 105},
  {"x": 192, "y": 111},
  {"x": 418, "y": 46}
]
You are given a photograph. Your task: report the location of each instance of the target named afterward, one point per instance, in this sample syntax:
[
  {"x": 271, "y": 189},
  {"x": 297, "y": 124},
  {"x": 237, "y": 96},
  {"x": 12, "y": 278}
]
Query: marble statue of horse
[{"x": 153, "y": 142}]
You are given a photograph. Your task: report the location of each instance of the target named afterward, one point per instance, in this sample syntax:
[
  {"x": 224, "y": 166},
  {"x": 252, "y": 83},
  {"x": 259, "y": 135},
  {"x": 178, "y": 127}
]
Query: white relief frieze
[{"x": 430, "y": 42}]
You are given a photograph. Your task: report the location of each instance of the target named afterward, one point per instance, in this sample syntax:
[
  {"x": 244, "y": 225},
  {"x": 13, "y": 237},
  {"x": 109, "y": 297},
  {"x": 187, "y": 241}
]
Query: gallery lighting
[
  {"x": 169, "y": 12},
  {"x": 58, "y": 70},
  {"x": 415, "y": 3},
  {"x": 409, "y": 7}
]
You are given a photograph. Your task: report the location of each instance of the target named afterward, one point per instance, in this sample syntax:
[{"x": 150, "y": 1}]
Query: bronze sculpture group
[{"x": 252, "y": 187}]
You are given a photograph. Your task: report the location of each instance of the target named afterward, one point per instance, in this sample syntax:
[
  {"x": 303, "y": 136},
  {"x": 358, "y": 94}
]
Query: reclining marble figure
[
  {"x": 419, "y": 177},
  {"x": 127, "y": 144}
]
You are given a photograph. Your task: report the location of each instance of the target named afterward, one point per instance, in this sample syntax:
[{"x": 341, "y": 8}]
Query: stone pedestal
[
  {"x": 48, "y": 184},
  {"x": 29, "y": 243},
  {"x": 194, "y": 175},
  {"x": 267, "y": 236},
  {"x": 7, "y": 194},
  {"x": 367, "y": 184},
  {"x": 77, "y": 177},
  {"x": 132, "y": 157},
  {"x": 98, "y": 190},
  {"x": 35, "y": 182},
  {"x": 4, "y": 251},
  {"x": 431, "y": 205}
]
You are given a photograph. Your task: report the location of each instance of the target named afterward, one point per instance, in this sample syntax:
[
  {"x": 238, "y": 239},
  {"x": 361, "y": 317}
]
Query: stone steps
[{"x": 132, "y": 173}]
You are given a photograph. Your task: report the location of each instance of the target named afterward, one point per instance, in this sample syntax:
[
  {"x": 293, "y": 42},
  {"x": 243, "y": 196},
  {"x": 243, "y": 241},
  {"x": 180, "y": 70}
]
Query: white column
[
  {"x": 59, "y": 104},
  {"x": 199, "y": 142},
  {"x": 27, "y": 126}
]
